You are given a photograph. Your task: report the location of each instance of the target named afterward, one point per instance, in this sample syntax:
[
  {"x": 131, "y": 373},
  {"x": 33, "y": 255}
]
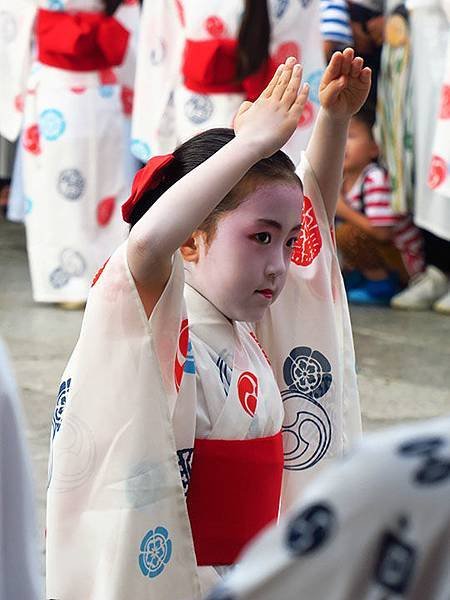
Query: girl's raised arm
[
  {"x": 262, "y": 128},
  {"x": 343, "y": 90}
]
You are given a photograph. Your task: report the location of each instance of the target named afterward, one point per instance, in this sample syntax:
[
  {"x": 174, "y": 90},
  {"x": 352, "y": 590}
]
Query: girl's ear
[{"x": 190, "y": 250}]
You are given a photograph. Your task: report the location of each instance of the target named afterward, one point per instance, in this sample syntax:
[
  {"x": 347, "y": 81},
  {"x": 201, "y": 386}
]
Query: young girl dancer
[{"x": 215, "y": 351}]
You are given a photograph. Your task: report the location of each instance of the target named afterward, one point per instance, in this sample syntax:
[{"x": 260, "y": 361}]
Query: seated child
[
  {"x": 379, "y": 250},
  {"x": 214, "y": 373}
]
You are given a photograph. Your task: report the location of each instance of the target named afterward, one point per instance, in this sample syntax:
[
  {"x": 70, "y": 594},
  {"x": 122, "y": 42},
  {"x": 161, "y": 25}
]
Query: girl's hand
[
  {"x": 268, "y": 123},
  {"x": 345, "y": 85}
]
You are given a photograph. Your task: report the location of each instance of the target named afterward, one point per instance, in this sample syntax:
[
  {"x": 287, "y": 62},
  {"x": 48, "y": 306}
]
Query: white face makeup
[{"x": 245, "y": 266}]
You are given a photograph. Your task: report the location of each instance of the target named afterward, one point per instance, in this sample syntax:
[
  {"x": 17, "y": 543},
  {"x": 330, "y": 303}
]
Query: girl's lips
[{"x": 266, "y": 293}]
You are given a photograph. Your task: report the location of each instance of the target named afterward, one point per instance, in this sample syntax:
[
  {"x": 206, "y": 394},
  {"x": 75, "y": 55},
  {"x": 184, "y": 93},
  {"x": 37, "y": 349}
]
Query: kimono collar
[{"x": 207, "y": 322}]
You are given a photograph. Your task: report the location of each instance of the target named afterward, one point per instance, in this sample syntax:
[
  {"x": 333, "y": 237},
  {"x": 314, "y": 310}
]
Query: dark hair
[
  {"x": 366, "y": 115},
  {"x": 111, "y": 6},
  {"x": 253, "y": 38},
  {"x": 194, "y": 152}
]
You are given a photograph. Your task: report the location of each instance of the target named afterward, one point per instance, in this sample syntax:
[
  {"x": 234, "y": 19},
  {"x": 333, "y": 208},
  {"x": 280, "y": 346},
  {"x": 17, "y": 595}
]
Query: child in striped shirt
[{"x": 379, "y": 250}]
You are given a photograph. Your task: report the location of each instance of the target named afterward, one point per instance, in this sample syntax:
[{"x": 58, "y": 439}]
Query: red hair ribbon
[{"x": 147, "y": 178}]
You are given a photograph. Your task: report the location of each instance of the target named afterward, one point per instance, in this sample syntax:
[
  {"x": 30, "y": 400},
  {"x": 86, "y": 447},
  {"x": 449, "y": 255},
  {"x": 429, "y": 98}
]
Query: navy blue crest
[
  {"x": 71, "y": 184},
  {"x": 309, "y": 530},
  {"x": 185, "y": 465},
  {"x": 307, "y": 429},
  {"x": 198, "y": 109}
]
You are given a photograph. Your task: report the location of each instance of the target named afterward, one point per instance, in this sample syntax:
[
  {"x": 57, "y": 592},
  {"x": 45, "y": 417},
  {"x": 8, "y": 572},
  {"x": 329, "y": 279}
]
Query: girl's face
[
  {"x": 360, "y": 148},
  {"x": 243, "y": 270}
]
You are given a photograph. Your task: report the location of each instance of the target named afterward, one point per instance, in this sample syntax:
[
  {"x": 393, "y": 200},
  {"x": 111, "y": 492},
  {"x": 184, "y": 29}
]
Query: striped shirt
[
  {"x": 335, "y": 22},
  {"x": 371, "y": 195}
]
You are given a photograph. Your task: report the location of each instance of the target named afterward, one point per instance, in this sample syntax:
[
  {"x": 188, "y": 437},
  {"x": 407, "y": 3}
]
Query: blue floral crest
[
  {"x": 52, "y": 124},
  {"x": 156, "y": 550}
]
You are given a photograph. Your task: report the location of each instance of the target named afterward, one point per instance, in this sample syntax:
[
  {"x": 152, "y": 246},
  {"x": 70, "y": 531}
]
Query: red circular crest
[
  {"x": 127, "y": 95},
  {"x": 105, "y": 210},
  {"x": 286, "y": 50},
  {"x": 182, "y": 350},
  {"x": 445, "y": 103},
  {"x": 31, "y": 139},
  {"x": 437, "y": 172},
  {"x": 248, "y": 392},
  {"x": 307, "y": 115},
  {"x": 215, "y": 26},
  {"x": 309, "y": 242}
]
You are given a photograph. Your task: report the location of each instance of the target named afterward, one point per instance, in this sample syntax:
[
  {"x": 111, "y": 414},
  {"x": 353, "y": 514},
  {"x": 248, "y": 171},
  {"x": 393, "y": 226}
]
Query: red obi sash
[
  {"x": 234, "y": 491},
  {"x": 209, "y": 67},
  {"x": 80, "y": 41}
]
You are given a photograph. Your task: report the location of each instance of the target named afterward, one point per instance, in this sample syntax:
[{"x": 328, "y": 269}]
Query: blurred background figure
[
  {"x": 379, "y": 249},
  {"x": 20, "y": 551},
  {"x": 72, "y": 103},
  {"x": 374, "y": 525},
  {"x": 335, "y": 26},
  {"x": 199, "y": 59},
  {"x": 430, "y": 27}
]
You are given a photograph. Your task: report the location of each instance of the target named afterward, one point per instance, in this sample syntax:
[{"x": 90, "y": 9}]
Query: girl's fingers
[
  {"x": 284, "y": 79},
  {"x": 348, "y": 56},
  {"x": 290, "y": 93},
  {"x": 300, "y": 101},
  {"x": 366, "y": 75},
  {"x": 273, "y": 82},
  {"x": 357, "y": 65},
  {"x": 333, "y": 69}
]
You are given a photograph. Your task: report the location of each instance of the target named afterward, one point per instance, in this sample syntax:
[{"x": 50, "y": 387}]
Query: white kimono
[
  {"x": 76, "y": 164},
  {"x": 137, "y": 391},
  {"x": 430, "y": 25},
  {"x": 166, "y": 112}
]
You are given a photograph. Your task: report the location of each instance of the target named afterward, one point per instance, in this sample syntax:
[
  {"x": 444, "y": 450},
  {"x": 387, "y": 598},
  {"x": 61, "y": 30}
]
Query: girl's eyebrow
[{"x": 276, "y": 225}]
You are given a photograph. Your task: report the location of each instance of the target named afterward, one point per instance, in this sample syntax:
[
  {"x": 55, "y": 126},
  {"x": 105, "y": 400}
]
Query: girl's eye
[
  {"x": 263, "y": 238},
  {"x": 291, "y": 242}
]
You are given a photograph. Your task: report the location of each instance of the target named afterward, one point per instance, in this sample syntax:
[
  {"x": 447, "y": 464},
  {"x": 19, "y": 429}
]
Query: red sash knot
[
  {"x": 209, "y": 67},
  {"x": 80, "y": 41}
]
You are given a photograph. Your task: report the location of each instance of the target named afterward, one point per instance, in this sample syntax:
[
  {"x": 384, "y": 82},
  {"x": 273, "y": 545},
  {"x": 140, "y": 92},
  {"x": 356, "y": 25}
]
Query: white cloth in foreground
[
  {"x": 125, "y": 420},
  {"x": 374, "y": 526},
  {"x": 20, "y": 578}
]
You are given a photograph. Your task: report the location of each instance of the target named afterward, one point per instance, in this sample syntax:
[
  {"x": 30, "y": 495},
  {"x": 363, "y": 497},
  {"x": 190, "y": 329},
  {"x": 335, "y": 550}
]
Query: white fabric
[
  {"x": 376, "y": 525},
  {"x": 430, "y": 35},
  {"x": 167, "y": 113},
  {"x": 16, "y": 22},
  {"x": 124, "y": 424},
  {"x": 19, "y": 548},
  {"x": 76, "y": 167}
]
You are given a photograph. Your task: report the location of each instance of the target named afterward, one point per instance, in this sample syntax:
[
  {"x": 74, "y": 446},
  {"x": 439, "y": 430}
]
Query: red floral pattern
[
  {"x": 307, "y": 115},
  {"x": 437, "y": 172},
  {"x": 248, "y": 392},
  {"x": 31, "y": 139},
  {"x": 286, "y": 50},
  {"x": 309, "y": 242},
  {"x": 105, "y": 210},
  {"x": 180, "y": 10},
  {"x": 18, "y": 103},
  {"x": 78, "y": 89},
  {"x": 182, "y": 350},
  {"x": 215, "y": 26}
]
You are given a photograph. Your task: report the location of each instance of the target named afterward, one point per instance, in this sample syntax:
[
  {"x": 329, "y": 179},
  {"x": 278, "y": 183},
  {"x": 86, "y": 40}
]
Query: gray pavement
[{"x": 403, "y": 358}]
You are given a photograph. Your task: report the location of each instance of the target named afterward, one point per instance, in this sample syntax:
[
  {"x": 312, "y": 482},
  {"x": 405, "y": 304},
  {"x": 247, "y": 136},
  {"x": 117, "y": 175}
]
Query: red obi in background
[
  {"x": 209, "y": 67},
  {"x": 80, "y": 41},
  {"x": 234, "y": 492}
]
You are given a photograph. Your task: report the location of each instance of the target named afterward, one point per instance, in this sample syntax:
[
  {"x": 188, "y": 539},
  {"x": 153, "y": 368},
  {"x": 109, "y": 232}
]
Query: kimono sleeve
[
  {"x": 160, "y": 48},
  {"x": 16, "y": 23},
  {"x": 307, "y": 335},
  {"x": 115, "y": 491}
]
